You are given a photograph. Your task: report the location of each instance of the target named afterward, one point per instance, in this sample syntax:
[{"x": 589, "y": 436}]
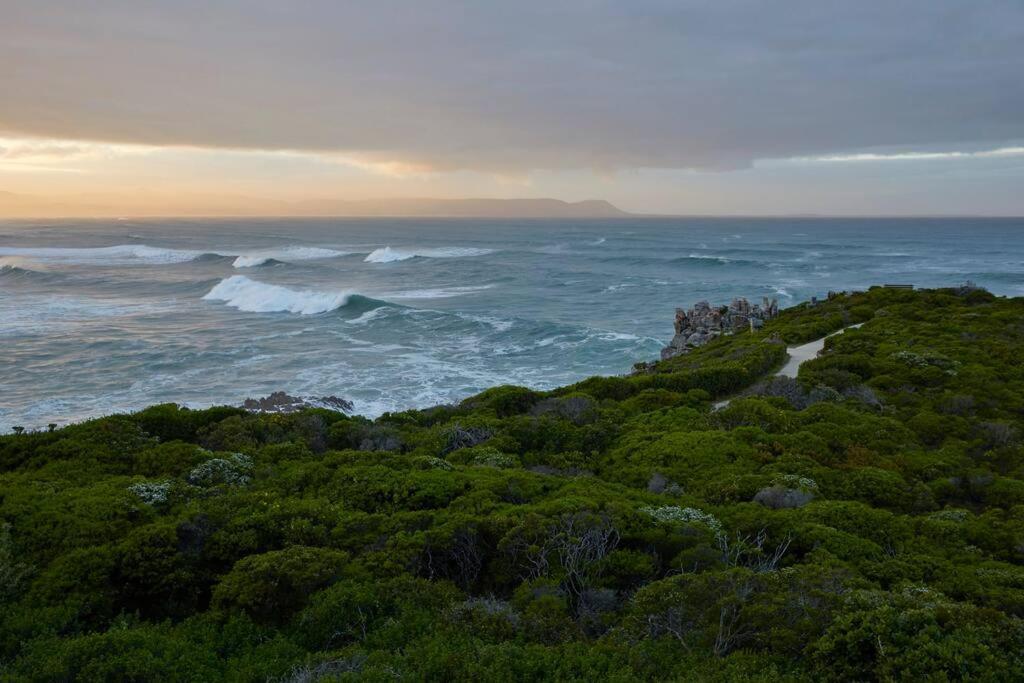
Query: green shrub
[{"x": 272, "y": 586}]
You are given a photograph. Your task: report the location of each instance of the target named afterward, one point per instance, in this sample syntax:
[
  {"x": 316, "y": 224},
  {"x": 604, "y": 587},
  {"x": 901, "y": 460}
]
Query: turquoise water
[{"x": 104, "y": 316}]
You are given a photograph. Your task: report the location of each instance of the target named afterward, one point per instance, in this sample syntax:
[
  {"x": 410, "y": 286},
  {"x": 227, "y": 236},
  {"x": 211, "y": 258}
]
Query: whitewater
[
  {"x": 106, "y": 316},
  {"x": 257, "y": 297}
]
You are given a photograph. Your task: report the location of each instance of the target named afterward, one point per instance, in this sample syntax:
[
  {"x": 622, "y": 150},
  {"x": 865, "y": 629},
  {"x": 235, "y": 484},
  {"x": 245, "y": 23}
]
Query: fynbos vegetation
[{"x": 862, "y": 522}]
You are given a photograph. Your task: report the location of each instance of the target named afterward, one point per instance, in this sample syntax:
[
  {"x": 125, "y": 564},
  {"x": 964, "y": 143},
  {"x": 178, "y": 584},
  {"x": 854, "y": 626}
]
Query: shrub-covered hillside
[{"x": 865, "y": 522}]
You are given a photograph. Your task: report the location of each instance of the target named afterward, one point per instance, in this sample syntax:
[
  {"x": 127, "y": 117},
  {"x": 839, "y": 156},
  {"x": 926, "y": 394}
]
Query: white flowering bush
[
  {"x": 429, "y": 462},
  {"x": 950, "y": 515},
  {"x": 1002, "y": 576},
  {"x": 676, "y": 514},
  {"x": 152, "y": 492},
  {"x": 923, "y": 596},
  {"x": 235, "y": 470},
  {"x": 494, "y": 458},
  {"x": 795, "y": 481},
  {"x": 923, "y": 360}
]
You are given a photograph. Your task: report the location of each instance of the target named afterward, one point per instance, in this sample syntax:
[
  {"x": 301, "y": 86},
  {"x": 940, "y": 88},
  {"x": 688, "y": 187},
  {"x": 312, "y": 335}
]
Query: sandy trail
[{"x": 798, "y": 355}]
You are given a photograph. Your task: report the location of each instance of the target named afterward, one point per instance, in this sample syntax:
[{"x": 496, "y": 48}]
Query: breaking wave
[
  {"x": 388, "y": 255},
  {"x": 122, "y": 254},
  {"x": 140, "y": 254},
  {"x": 12, "y": 264},
  {"x": 21, "y": 269},
  {"x": 272, "y": 256},
  {"x": 692, "y": 258},
  {"x": 439, "y": 293},
  {"x": 255, "y": 261},
  {"x": 707, "y": 258},
  {"x": 713, "y": 259},
  {"x": 251, "y": 296}
]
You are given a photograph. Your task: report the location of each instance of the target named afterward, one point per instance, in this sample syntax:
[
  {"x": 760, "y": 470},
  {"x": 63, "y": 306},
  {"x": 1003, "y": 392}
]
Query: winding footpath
[{"x": 798, "y": 355}]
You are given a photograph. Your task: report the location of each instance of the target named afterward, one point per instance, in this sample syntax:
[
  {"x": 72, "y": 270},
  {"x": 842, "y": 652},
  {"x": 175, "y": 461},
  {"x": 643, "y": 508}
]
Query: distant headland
[{"x": 14, "y": 205}]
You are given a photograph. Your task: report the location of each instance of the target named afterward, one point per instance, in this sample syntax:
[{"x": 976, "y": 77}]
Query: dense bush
[{"x": 864, "y": 521}]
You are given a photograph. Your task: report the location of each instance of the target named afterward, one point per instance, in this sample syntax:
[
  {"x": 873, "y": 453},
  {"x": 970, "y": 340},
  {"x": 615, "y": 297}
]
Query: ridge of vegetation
[{"x": 863, "y": 522}]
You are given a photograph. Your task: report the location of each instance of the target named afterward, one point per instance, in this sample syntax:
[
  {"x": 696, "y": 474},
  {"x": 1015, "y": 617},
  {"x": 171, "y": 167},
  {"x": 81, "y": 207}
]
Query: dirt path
[{"x": 798, "y": 355}]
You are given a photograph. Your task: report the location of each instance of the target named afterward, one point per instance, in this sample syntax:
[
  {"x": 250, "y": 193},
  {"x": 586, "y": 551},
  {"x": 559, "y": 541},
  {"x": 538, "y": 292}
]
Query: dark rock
[
  {"x": 280, "y": 402},
  {"x": 659, "y": 483},
  {"x": 780, "y": 497}
]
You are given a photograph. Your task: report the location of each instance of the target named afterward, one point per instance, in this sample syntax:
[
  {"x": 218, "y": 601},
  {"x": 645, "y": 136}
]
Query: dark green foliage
[
  {"x": 169, "y": 422},
  {"x": 273, "y": 585},
  {"x": 864, "y": 521}
]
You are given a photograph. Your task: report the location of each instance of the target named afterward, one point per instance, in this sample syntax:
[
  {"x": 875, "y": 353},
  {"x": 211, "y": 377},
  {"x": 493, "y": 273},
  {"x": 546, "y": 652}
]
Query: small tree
[{"x": 571, "y": 547}]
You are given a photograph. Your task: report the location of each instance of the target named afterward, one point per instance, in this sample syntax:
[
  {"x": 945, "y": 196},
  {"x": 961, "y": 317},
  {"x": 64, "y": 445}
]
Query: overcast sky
[{"x": 894, "y": 106}]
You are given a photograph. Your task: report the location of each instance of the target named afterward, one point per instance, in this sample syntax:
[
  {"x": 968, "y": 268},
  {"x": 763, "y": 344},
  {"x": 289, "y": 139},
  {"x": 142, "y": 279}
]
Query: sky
[{"x": 659, "y": 106}]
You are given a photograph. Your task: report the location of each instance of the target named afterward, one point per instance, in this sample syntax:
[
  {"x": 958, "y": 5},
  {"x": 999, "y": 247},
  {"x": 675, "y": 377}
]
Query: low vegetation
[{"x": 863, "y": 522}]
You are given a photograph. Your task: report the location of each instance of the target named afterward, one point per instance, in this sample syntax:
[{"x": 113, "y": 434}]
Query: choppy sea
[{"x": 101, "y": 316}]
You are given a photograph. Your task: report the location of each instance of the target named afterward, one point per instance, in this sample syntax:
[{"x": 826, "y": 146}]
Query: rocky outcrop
[
  {"x": 781, "y": 498},
  {"x": 705, "y": 322},
  {"x": 280, "y": 402}
]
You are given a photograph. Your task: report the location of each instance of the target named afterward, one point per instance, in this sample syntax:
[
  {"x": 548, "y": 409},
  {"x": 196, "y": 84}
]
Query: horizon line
[{"x": 627, "y": 214}]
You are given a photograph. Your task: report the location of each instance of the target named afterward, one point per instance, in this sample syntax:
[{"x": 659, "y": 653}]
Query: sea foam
[
  {"x": 388, "y": 255},
  {"x": 248, "y": 295}
]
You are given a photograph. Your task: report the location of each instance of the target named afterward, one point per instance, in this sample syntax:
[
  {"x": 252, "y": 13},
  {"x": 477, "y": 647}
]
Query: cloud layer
[{"x": 510, "y": 87}]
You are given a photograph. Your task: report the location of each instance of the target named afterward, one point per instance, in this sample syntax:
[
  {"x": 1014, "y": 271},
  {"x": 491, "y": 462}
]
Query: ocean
[{"x": 103, "y": 316}]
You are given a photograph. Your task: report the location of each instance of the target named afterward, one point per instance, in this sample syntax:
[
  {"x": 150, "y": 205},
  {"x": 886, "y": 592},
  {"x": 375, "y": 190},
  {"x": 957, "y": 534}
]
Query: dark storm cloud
[{"x": 519, "y": 85}]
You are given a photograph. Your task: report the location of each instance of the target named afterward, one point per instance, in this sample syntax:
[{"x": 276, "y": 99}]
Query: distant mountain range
[
  {"x": 508, "y": 208},
  {"x": 26, "y": 206}
]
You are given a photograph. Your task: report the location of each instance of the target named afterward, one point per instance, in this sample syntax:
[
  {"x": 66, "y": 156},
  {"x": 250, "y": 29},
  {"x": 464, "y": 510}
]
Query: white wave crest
[
  {"x": 250, "y": 261},
  {"x": 622, "y": 285},
  {"x": 15, "y": 263},
  {"x": 369, "y": 315},
  {"x": 136, "y": 254},
  {"x": 295, "y": 253},
  {"x": 440, "y": 293},
  {"x": 248, "y": 295},
  {"x": 388, "y": 255},
  {"x": 499, "y": 324},
  {"x": 709, "y": 257},
  {"x": 122, "y": 254}
]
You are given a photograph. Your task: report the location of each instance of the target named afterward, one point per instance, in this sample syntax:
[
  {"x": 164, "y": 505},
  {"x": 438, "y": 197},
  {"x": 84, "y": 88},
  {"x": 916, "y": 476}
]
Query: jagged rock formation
[
  {"x": 280, "y": 402},
  {"x": 704, "y": 322}
]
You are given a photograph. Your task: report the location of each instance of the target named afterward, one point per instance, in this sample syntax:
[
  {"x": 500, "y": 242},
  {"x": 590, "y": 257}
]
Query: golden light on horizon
[{"x": 52, "y": 177}]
